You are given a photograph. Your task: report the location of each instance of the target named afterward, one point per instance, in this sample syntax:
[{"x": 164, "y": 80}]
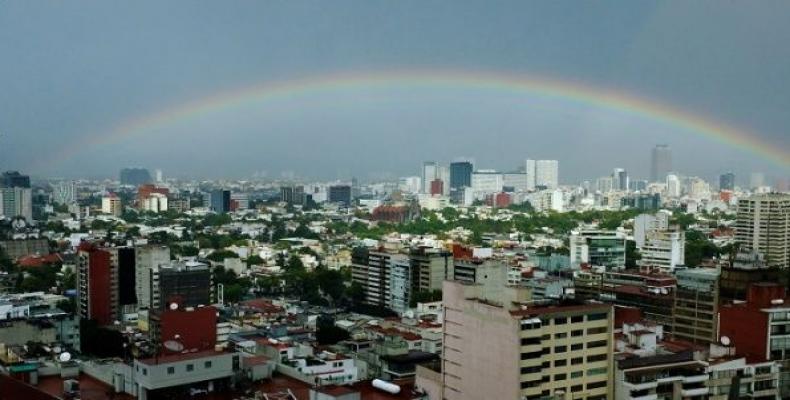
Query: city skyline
[{"x": 345, "y": 93}]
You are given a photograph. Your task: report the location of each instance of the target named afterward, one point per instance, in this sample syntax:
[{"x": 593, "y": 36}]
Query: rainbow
[{"x": 573, "y": 92}]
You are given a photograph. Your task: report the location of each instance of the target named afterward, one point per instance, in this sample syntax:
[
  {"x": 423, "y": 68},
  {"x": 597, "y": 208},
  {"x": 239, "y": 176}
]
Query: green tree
[{"x": 221, "y": 255}]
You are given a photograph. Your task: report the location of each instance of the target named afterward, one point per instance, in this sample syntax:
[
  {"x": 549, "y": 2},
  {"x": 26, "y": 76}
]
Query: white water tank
[{"x": 388, "y": 387}]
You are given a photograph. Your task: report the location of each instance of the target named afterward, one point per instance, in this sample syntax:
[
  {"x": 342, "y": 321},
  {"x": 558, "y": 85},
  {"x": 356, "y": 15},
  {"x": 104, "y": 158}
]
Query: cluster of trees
[{"x": 527, "y": 223}]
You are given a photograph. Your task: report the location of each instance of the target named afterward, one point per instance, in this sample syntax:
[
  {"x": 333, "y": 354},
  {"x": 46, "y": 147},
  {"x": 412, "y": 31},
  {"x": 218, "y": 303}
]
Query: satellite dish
[
  {"x": 174, "y": 346},
  {"x": 64, "y": 357},
  {"x": 725, "y": 340},
  {"x": 174, "y": 306},
  {"x": 57, "y": 349}
]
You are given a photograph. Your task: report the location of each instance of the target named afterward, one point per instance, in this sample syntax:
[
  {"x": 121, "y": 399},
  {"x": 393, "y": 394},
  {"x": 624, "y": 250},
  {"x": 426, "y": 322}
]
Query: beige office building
[{"x": 499, "y": 347}]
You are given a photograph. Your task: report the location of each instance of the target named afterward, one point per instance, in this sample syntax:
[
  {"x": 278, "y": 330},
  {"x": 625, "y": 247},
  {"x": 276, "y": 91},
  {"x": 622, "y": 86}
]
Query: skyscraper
[
  {"x": 135, "y": 176},
  {"x": 727, "y": 181},
  {"x": 16, "y": 202},
  {"x": 661, "y": 163},
  {"x": 11, "y": 179},
  {"x": 340, "y": 194},
  {"x": 542, "y": 173},
  {"x": 546, "y": 173},
  {"x": 219, "y": 201},
  {"x": 530, "y": 171},
  {"x": 620, "y": 179},
  {"x": 430, "y": 171},
  {"x": 460, "y": 174}
]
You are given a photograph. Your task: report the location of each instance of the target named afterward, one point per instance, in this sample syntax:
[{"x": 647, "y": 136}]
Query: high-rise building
[
  {"x": 189, "y": 284},
  {"x": 340, "y": 194},
  {"x": 763, "y": 227},
  {"x": 696, "y": 309},
  {"x": 661, "y": 163},
  {"x": 16, "y": 202},
  {"x": 485, "y": 182},
  {"x": 673, "y": 186},
  {"x": 135, "y": 176},
  {"x": 122, "y": 261},
  {"x": 111, "y": 204},
  {"x": 530, "y": 172},
  {"x": 218, "y": 201},
  {"x": 390, "y": 279},
  {"x": 727, "y": 181},
  {"x": 148, "y": 258},
  {"x": 545, "y": 172},
  {"x": 371, "y": 270},
  {"x": 460, "y": 174},
  {"x": 620, "y": 179},
  {"x": 97, "y": 285},
  {"x": 430, "y": 172},
  {"x": 292, "y": 194},
  {"x": 493, "y": 349},
  {"x": 12, "y": 179},
  {"x": 432, "y": 267},
  {"x": 159, "y": 176}
]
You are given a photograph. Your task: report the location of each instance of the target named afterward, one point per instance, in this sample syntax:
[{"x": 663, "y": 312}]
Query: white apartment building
[{"x": 111, "y": 205}]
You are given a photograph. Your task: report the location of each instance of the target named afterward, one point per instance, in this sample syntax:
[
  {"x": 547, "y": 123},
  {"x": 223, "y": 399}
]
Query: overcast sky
[{"x": 71, "y": 70}]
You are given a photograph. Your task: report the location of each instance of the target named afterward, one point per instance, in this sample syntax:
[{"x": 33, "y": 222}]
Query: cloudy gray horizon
[{"x": 77, "y": 70}]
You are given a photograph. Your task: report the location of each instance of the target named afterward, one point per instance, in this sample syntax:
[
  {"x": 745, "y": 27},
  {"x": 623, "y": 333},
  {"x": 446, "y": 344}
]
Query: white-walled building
[{"x": 111, "y": 205}]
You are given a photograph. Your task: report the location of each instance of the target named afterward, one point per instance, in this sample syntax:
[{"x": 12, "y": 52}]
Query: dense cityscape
[
  {"x": 394, "y": 200},
  {"x": 457, "y": 283}
]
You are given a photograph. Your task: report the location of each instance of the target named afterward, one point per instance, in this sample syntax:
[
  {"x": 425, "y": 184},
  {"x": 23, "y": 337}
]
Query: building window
[
  {"x": 577, "y": 346},
  {"x": 190, "y": 367},
  {"x": 560, "y": 349},
  {"x": 207, "y": 364},
  {"x": 596, "y": 385},
  {"x": 599, "y": 357},
  {"x": 560, "y": 321},
  {"x": 596, "y": 317},
  {"x": 596, "y": 343},
  {"x": 577, "y": 332},
  {"x": 577, "y": 360},
  {"x": 560, "y": 363},
  {"x": 577, "y": 388},
  {"x": 171, "y": 370},
  {"x": 145, "y": 371},
  {"x": 595, "y": 331},
  {"x": 577, "y": 318},
  {"x": 560, "y": 377},
  {"x": 561, "y": 335},
  {"x": 576, "y": 374},
  {"x": 596, "y": 371}
]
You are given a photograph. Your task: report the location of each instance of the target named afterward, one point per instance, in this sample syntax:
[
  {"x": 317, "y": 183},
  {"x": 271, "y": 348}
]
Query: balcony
[
  {"x": 695, "y": 378},
  {"x": 694, "y": 392},
  {"x": 641, "y": 386}
]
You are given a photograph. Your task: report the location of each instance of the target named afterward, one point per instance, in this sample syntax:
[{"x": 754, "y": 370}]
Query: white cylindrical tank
[{"x": 388, "y": 387}]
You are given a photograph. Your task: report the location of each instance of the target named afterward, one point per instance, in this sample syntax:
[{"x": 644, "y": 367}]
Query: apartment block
[
  {"x": 697, "y": 305},
  {"x": 763, "y": 227},
  {"x": 496, "y": 349}
]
